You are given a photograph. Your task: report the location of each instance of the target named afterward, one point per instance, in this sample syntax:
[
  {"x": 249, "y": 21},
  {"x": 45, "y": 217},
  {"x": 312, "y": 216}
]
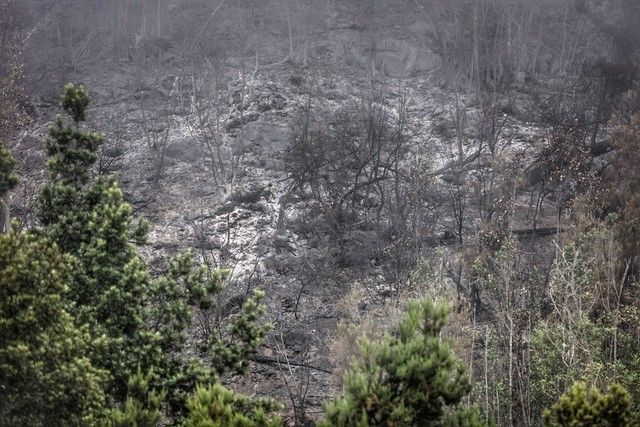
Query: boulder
[
  {"x": 400, "y": 58},
  {"x": 238, "y": 121}
]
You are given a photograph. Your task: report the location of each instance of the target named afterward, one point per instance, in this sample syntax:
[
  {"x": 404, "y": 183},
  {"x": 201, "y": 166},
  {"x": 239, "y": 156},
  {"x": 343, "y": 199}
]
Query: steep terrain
[{"x": 200, "y": 148}]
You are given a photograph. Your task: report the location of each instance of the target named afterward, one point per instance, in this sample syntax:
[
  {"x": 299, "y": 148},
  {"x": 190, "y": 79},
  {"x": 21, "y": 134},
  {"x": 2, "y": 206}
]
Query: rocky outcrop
[{"x": 399, "y": 58}]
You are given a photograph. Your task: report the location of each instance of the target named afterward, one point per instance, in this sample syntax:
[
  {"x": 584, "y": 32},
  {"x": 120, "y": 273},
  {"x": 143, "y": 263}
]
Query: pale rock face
[{"x": 399, "y": 58}]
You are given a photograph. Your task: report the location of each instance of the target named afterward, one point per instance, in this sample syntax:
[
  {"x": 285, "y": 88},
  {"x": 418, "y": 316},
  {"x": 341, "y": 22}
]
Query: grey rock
[
  {"x": 399, "y": 58},
  {"x": 237, "y": 122}
]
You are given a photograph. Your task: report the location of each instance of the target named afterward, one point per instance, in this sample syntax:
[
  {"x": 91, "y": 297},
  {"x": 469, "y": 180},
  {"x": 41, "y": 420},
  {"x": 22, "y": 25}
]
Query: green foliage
[
  {"x": 217, "y": 406},
  {"x": 72, "y": 151},
  {"x": 180, "y": 383},
  {"x": 110, "y": 286},
  {"x": 90, "y": 221},
  {"x": 582, "y": 407},
  {"x": 466, "y": 417},
  {"x": 46, "y": 376},
  {"x": 561, "y": 356},
  {"x": 185, "y": 286},
  {"x": 142, "y": 321},
  {"x": 188, "y": 287},
  {"x": 142, "y": 407},
  {"x": 246, "y": 334},
  {"x": 590, "y": 335},
  {"x": 7, "y": 179},
  {"x": 75, "y": 101},
  {"x": 408, "y": 378}
]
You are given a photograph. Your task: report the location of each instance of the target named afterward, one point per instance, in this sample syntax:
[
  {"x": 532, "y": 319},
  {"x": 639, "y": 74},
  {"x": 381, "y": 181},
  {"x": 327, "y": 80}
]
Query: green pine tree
[
  {"x": 143, "y": 407},
  {"x": 187, "y": 287},
  {"x": 408, "y": 378},
  {"x": 217, "y": 406},
  {"x": 90, "y": 221},
  {"x": 245, "y": 336},
  {"x": 142, "y": 320},
  {"x": 588, "y": 407},
  {"x": 7, "y": 179},
  {"x": 7, "y": 182},
  {"x": 46, "y": 375}
]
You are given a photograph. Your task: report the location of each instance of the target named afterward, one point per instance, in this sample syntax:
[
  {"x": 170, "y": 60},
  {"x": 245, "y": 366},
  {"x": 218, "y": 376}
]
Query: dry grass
[{"x": 369, "y": 316}]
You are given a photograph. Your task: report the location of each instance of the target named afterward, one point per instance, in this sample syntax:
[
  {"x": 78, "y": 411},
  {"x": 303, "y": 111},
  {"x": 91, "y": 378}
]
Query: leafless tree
[{"x": 156, "y": 134}]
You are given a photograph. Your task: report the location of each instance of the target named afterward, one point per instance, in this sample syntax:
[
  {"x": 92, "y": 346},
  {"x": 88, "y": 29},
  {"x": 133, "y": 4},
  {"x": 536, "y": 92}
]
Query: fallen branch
[
  {"x": 456, "y": 165},
  {"x": 537, "y": 232},
  {"x": 259, "y": 358}
]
